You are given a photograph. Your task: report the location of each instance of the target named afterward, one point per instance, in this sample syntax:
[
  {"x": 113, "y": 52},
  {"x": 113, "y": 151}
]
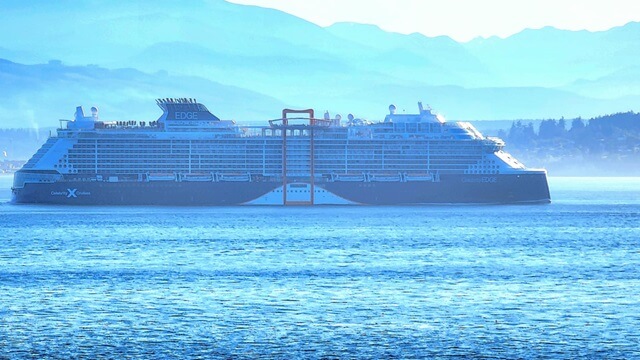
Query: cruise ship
[{"x": 188, "y": 156}]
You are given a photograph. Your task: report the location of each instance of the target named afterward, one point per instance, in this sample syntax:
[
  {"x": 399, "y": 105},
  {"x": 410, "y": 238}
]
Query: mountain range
[{"x": 246, "y": 63}]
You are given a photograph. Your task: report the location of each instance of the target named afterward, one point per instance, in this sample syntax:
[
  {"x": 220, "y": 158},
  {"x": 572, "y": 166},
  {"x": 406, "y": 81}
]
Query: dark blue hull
[{"x": 456, "y": 189}]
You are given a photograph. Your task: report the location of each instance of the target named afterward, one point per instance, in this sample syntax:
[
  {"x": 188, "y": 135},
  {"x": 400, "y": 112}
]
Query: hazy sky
[{"x": 463, "y": 19}]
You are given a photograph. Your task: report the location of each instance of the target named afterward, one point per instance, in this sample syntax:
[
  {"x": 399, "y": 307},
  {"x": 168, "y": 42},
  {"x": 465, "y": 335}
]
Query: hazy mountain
[
  {"x": 102, "y": 31},
  {"x": 552, "y": 57},
  {"x": 624, "y": 82},
  {"x": 236, "y": 55},
  {"x": 41, "y": 94},
  {"x": 435, "y": 61},
  {"x": 273, "y": 74}
]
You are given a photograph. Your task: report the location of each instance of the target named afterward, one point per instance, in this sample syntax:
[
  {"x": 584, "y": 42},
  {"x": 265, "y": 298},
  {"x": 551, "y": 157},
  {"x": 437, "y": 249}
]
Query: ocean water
[{"x": 542, "y": 281}]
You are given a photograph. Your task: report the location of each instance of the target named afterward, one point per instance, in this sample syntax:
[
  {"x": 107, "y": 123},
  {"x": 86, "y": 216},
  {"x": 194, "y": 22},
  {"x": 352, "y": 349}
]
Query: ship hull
[
  {"x": 449, "y": 189},
  {"x": 452, "y": 189}
]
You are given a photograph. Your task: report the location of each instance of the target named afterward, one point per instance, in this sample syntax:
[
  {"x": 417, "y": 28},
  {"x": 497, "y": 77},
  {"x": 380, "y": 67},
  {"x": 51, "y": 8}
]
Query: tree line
[
  {"x": 614, "y": 130},
  {"x": 604, "y": 142}
]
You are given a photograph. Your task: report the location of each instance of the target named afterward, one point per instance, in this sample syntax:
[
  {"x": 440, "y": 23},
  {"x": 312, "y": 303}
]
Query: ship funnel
[
  {"x": 94, "y": 112},
  {"x": 184, "y": 109},
  {"x": 420, "y": 107},
  {"x": 79, "y": 115},
  {"x": 80, "y": 121},
  {"x": 392, "y": 109}
]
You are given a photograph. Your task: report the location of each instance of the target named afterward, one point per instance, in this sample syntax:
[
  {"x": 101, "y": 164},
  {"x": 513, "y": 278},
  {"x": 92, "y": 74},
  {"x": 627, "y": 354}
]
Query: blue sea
[{"x": 556, "y": 281}]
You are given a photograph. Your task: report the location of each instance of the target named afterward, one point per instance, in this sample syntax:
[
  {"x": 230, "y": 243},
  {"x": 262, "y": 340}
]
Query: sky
[{"x": 462, "y": 20}]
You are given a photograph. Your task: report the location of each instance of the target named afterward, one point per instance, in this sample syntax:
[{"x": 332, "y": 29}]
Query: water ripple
[{"x": 557, "y": 281}]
